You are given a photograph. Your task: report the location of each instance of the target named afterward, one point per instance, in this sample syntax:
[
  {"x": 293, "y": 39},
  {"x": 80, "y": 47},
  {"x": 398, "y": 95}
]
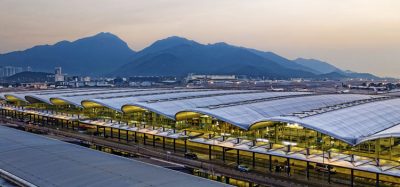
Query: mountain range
[
  {"x": 96, "y": 55},
  {"x": 106, "y": 54}
]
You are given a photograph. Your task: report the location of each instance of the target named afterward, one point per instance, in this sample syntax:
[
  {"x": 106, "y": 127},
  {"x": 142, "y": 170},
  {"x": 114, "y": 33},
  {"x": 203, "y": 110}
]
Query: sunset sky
[{"x": 361, "y": 35}]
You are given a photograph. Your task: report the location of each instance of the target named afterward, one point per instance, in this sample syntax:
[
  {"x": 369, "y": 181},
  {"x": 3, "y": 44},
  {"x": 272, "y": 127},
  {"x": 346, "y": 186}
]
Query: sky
[{"x": 360, "y": 35}]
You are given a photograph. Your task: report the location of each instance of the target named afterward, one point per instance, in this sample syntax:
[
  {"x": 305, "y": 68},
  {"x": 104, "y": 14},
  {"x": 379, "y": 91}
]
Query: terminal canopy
[{"x": 353, "y": 118}]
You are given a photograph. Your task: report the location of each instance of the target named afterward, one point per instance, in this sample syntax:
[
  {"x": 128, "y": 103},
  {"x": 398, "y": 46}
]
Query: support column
[
  {"x": 223, "y": 154},
  {"x": 254, "y": 160},
  {"x": 308, "y": 170},
  {"x": 127, "y": 136},
  {"x": 111, "y": 132},
  {"x": 377, "y": 180},
  {"x": 209, "y": 148},
  {"x": 174, "y": 145},
  {"x": 163, "y": 142},
  {"x": 377, "y": 148},
  {"x": 351, "y": 177},
  {"x": 238, "y": 157},
  {"x": 154, "y": 141},
  {"x": 329, "y": 174},
  {"x": 97, "y": 130},
  {"x": 288, "y": 166},
  {"x": 270, "y": 163},
  {"x": 135, "y": 136},
  {"x": 185, "y": 142},
  {"x": 119, "y": 134},
  {"x": 209, "y": 152}
]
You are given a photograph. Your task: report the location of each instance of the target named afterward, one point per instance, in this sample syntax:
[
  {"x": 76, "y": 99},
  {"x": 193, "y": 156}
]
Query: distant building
[
  {"x": 214, "y": 80},
  {"x": 86, "y": 79},
  {"x": 58, "y": 76},
  {"x": 38, "y": 85},
  {"x": 7, "y": 71},
  {"x": 29, "y": 69},
  {"x": 192, "y": 77}
]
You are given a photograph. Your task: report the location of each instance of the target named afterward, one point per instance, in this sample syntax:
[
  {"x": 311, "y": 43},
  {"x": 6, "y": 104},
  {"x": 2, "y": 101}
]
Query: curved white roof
[
  {"x": 22, "y": 94},
  {"x": 76, "y": 98},
  {"x": 175, "y": 105},
  {"x": 355, "y": 124},
  {"x": 117, "y": 103},
  {"x": 74, "y": 94},
  {"x": 393, "y": 131},
  {"x": 245, "y": 115},
  {"x": 353, "y": 118}
]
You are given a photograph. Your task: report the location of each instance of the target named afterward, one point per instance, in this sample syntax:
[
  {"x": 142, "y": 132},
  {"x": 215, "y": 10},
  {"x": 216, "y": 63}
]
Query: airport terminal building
[{"x": 343, "y": 139}]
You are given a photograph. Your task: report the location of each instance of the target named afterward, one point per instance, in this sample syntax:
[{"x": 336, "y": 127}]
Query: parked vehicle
[
  {"x": 324, "y": 168},
  {"x": 243, "y": 168},
  {"x": 190, "y": 155}
]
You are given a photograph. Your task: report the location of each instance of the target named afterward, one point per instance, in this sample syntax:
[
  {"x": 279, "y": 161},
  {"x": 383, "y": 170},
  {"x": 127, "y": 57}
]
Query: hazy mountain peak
[
  {"x": 166, "y": 43},
  {"x": 221, "y": 44},
  {"x": 63, "y": 42},
  {"x": 105, "y": 35},
  {"x": 280, "y": 60},
  {"x": 349, "y": 71},
  {"x": 176, "y": 38},
  {"x": 173, "y": 41},
  {"x": 317, "y": 65},
  {"x": 309, "y": 60},
  {"x": 102, "y": 36}
]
